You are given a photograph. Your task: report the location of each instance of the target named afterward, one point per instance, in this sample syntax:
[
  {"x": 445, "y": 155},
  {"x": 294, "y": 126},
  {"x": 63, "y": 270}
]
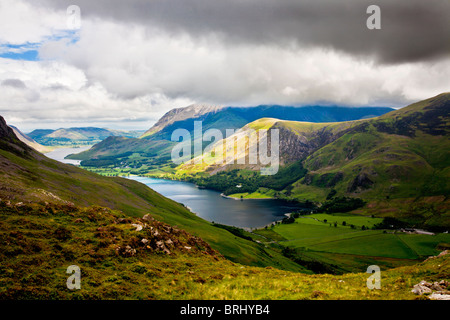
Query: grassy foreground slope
[
  {"x": 29, "y": 177},
  {"x": 157, "y": 261}
]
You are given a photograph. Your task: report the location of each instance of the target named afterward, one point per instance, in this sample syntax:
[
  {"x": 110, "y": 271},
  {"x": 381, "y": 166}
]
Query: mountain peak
[{"x": 179, "y": 114}]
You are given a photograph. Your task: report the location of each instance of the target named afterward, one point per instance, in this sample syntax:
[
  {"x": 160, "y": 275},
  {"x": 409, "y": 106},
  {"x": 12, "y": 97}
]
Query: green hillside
[
  {"x": 398, "y": 163},
  {"x": 27, "y": 176}
]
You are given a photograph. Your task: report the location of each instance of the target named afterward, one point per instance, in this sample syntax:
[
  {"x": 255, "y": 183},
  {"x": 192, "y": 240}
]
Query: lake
[
  {"x": 211, "y": 206},
  {"x": 60, "y": 153}
]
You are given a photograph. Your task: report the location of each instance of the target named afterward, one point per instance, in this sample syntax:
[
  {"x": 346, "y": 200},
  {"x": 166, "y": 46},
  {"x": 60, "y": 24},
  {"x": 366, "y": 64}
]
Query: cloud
[
  {"x": 25, "y": 22},
  {"x": 15, "y": 83},
  {"x": 133, "y": 60},
  {"x": 412, "y": 30},
  {"x": 59, "y": 95}
]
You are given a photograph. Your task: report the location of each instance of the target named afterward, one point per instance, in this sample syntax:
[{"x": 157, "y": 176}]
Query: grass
[
  {"x": 347, "y": 248},
  {"x": 39, "y": 242},
  {"x": 253, "y": 195}
]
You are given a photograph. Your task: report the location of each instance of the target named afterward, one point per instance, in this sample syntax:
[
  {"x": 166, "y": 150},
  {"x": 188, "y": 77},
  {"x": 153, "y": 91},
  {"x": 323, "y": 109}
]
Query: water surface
[
  {"x": 211, "y": 206},
  {"x": 60, "y": 153}
]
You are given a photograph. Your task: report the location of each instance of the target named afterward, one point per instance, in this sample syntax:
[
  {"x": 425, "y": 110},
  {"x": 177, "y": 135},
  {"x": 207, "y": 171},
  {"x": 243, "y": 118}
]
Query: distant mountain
[
  {"x": 77, "y": 136},
  {"x": 181, "y": 114},
  {"x": 155, "y": 145},
  {"x": 223, "y": 118},
  {"x": 30, "y": 142}
]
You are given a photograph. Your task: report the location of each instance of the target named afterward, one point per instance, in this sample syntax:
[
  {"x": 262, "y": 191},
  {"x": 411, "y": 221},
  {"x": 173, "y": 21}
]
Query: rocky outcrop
[
  {"x": 436, "y": 290},
  {"x": 360, "y": 183},
  {"x": 158, "y": 237}
]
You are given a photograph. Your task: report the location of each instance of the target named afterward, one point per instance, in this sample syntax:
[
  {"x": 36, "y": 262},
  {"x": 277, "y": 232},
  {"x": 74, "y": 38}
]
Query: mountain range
[
  {"x": 151, "y": 152},
  {"x": 77, "y": 136},
  {"x": 398, "y": 162},
  {"x": 222, "y": 118}
]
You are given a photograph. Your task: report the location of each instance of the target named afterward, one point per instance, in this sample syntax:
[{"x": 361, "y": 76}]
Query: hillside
[
  {"x": 142, "y": 258},
  {"x": 30, "y": 142},
  {"x": 29, "y": 177},
  {"x": 398, "y": 163}
]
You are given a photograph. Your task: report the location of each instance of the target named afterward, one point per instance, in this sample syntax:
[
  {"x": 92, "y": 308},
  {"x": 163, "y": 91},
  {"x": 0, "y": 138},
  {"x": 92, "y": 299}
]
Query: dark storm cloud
[{"x": 412, "y": 30}]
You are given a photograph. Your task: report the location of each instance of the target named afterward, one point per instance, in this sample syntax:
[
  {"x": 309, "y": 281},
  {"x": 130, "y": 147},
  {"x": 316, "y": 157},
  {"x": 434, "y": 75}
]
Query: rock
[
  {"x": 420, "y": 290},
  {"x": 148, "y": 217},
  {"x": 443, "y": 253},
  {"x": 443, "y": 283},
  {"x": 154, "y": 232},
  {"x": 161, "y": 246},
  {"x": 137, "y": 226},
  {"x": 127, "y": 251},
  {"x": 361, "y": 182},
  {"x": 123, "y": 220},
  {"x": 436, "y": 287},
  {"x": 439, "y": 296},
  {"x": 425, "y": 284},
  {"x": 144, "y": 241}
]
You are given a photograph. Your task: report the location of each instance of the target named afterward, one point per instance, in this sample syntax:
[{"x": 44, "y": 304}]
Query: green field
[{"x": 323, "y": 238}]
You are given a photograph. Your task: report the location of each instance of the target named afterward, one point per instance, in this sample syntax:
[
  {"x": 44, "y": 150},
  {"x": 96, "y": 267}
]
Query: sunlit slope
[{"x": 398, "y": 162}]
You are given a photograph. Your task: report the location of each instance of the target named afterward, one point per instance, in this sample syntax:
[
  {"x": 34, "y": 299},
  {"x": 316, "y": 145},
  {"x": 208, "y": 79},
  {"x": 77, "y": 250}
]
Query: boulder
[
  {"x": 439, "y": 296},
  {"x": 137, "y": 226},
  {"x": 420, "y": 290},
  {"x": 148, "y": 217}
]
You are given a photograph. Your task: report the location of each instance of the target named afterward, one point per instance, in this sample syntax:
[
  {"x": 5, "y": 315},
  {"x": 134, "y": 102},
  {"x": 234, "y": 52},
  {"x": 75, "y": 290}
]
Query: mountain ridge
[
  {"x": 214, "y": 116},
  {"x": 77, "y": 135}
]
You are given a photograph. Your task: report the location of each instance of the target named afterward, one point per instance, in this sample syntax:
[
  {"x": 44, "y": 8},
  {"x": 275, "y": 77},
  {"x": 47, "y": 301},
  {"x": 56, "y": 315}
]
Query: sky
[{"x": 123, "y": 64}]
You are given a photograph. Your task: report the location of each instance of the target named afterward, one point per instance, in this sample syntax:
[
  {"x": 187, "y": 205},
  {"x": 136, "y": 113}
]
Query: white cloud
[
  {"x": 56, "y": 94},
  {"x": 23, "y": 22}
]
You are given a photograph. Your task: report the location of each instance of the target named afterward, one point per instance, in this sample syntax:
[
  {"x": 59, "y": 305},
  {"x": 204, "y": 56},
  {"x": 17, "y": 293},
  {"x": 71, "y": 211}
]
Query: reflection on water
[{"x": 211, "y": 206}]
